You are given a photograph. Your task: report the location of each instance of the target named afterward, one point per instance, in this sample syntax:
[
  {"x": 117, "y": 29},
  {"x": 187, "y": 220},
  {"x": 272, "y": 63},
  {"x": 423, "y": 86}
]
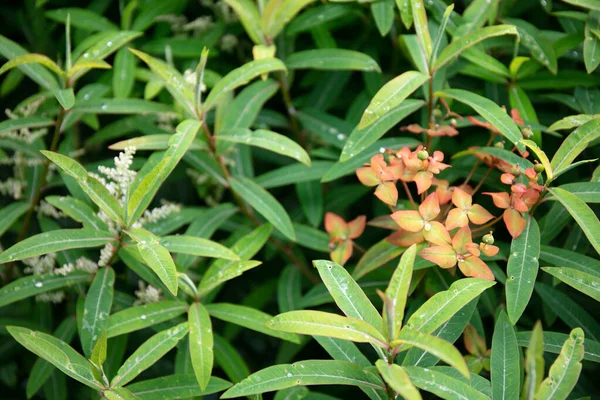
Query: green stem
[{"x": 291, "y": 110}]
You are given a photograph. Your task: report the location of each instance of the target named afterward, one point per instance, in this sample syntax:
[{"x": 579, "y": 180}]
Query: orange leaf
[
  {"x": 436, "y": 233},
  {"x": 515, "y": 223},
  {"x": 335, "y": 226},
  {"x": 342, "y": 252},
  {"x": 430, "y": 208},
  {"x": 387, "y": 193},
  {"x": 456, "y": 218},
  {"x": 442, "y": 255},
  {"x": 356, "y": 227},
  {"x": 409, "y": 220},
  {"x": 488, "y": 249},
  {"x": 461, "y": 239},
  {"x": 476, "y": 268},
  {"x": 461, "y": 199},
  {"x": 423, "y": 179},
  {"x": 367, "y": 176},
  {"x": 501, "y": 200},
  {"x": 479, "y": 215},
  {"x": 404, "y": 238}
]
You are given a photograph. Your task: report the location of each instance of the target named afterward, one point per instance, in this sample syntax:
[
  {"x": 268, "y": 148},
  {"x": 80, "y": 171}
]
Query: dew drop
[
  {"x": 143, "y": 317},
  {"x": 38, "y": 284}
]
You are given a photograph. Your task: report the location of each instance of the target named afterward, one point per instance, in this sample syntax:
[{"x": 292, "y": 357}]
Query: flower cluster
[
  {"x": 82, "y": 264},
  {"x": 147, "y": 294}
]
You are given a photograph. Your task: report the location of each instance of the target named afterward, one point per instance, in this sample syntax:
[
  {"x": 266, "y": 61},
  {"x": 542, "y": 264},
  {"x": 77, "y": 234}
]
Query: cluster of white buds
[
  {"x": 51, "y": 297},
  {"x": 24, "y": 135},
  {"x": 166, "y": 120},
  {"x": 40, "y": 265},
  {"x": 189, "y": 76},
  {"x": 82, "y": 264},
  {"x": 19, "y": 159},
  {"x": 156, "y": 214},
  {"x": 106, "y": 255},
  {"x": 199, "y": 25},
  {"x": 147, "y": 294},
  {"x": 229, "y": 42},
  {"x": 12, "y": 187},
  {"x": 48, "y": 210},
  {"x": 121, "y": 176}
]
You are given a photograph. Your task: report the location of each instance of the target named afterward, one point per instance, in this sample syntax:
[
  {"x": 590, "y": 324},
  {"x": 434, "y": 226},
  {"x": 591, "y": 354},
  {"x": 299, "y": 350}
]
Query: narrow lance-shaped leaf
[
  {"x": 10, "y": 214},
  {"x": 149, "y": 353},
  {"x": 197, "y": 247},
  {"x": 390, "y": 95},
  {"x": 178, "y": 386},
  {"x": 327, "y": 324},
  {"x": 534, "y": 363},
  {"x": 442, "y": 385},
  {"x": 78, "y": 210},
  {"x": 249, "y": 16},
  {"x": 440, "y": 348},
  {"x": 582, "y": 213},
  {"x": 589, "y": 4},
  {"x": 201, "y": 343},
  {"x": 97, "y": 192},
  {"x": 522, "y": 269},
  {"x": 54, "y": 241},
  {"x": 139, "y": 317},
  {"x": 585, "y": 283},
  {"x": 420, "y": 20},
  {"x": 156, "y": 256},
  {"x": 31, "y": 59},
  {"x": 443, "y": 305},
  {"x": 565, "y": 370},
  {"x": 58, "y": 353},
  {"x": 268, "y": 140},
  {"x": 505, "y": 360},
  {"x": 399, "y": 286},
  {"x": 397, "y": 378},
  {"x": 470, "y": 39},
  {"x": 264, "y": 202},
  {"x": 310, "y": 372},
  {"x": 490, "y": 111},
  {"x": 278, "y": 13},
  {"x": 98, "y": 302},
  {"x": 332, "y": 59},
  {"x": 574, "y": 144},
  {"x": 239, "y": 77}
]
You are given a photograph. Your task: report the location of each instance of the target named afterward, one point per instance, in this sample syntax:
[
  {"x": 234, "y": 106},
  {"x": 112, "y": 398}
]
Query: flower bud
[
  {"x": 437, "y": 113},
  {"x": 423, "y": 155},
  {"x": 527, "y": 132},
  {"x": 538, "y": 168},
  {"x": 499, "y": 145},
  {"x": 488, "y": 238},
  {"x": 453, "y": 122}
]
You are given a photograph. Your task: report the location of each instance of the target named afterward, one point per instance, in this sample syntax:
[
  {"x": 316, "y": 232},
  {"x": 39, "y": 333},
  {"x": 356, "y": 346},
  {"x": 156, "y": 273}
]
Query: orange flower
[
  {"x": 422, "y": 221},
  {"x": 341, "y": 234},
  {"x": 465, "y": 211},
  {"x": 463, "y": 252},
  {"x": 513, "y": 206},
  {"x": 420, "y": 168},
  {"x": 379, "y": 174}
]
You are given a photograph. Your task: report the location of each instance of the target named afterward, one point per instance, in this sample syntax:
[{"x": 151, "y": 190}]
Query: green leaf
[
  {"x": 77, "y": 210},
  {"x": 123, "y": 73},
  {"x": 249, "y": 16},
  {"x": 293, "y": 173},
  {"x": 582, "y": 213},
  {"x": 383, "y": 14},
  {"x": 98, "y": 355},
  {"x": 278, "y": 13},
  {"x": 311, "y": 372},
  {"x": 568, "y": 310},
  {"x": 519, "y": 100},
  {"x": 310, "y": 195},
  {"x": 289, "y": 289},
  {"x": 178, "y": 386},
  {"x": 391, "y": 95},
  {"x": 97, "y": 192},
  {"x": 585, "y": 283},
  {"x": 591, "y": 43},
  {"x": 490, "y": 111},
  {"x": 541, "y": 155},
  {"x": 439, "y": 348},
  {"x": 443, "y": 305},
  {"x": 201, "y": 343},
  {"x": 197, "y": 247},
  {"x": 149, "y": 353},
  {"x": 332, "y": 59},
  {"x": 98, "y": 302},
  {"x": 565, "y": 370},
  {"x": 159, "y": 141},
  {"x": 58, "y": 353},
  {"x": 321, "y": 323},
  {"x": 144, "y": 192},
  {"x": 240, "y": 76},
  {"x": 399, "y": 286},
  {"x": 505, "y": 360},
  {"x": 156, "y": 257},
  {"x": 360, "y": 139},
  {"x": 175, "y": 83},
  {"x": 248, "y": 317},
  {"x": 25, "y": 122},
  {"x": 455, "y": 48},
  {"x": 572, "y": 121},
  {"x": 268, "y": 140},
  {"x": 264, "y": 203},
  {"x": 242, "y": 112},
  {"x": 589, "y": 4},
  {"x": 442, "y": 385},
  {"x": 54, "y": 241},
  {"x": 397, "y": 378},
  {"x": 553, "y": 342},
  {"x": 522, "y": 269},
  {"x": 420, "y": 20},
  {"x": 538, "y": 44},
  {"x": 574, "y": 144},
  {"x": 82, "y": 18},
  {"x": 139, "y": 317},
  {"x": 534, "y": 362},
  {"x": 347, "y": 294},
  {"x": 29, "y": 286},
  {"x": 570, "y": 259},
  {"x": 42, "y": 369},
  {"x": 31, "y": 58},
  {"x": 10, "y": 214},
  {"x": 121, "y": 106},
  {"x": 103, "y": 45}
]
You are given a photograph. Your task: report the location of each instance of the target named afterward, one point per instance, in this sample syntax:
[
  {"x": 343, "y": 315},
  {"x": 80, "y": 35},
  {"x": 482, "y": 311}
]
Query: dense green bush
[{"x": 197, "y": 199}]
